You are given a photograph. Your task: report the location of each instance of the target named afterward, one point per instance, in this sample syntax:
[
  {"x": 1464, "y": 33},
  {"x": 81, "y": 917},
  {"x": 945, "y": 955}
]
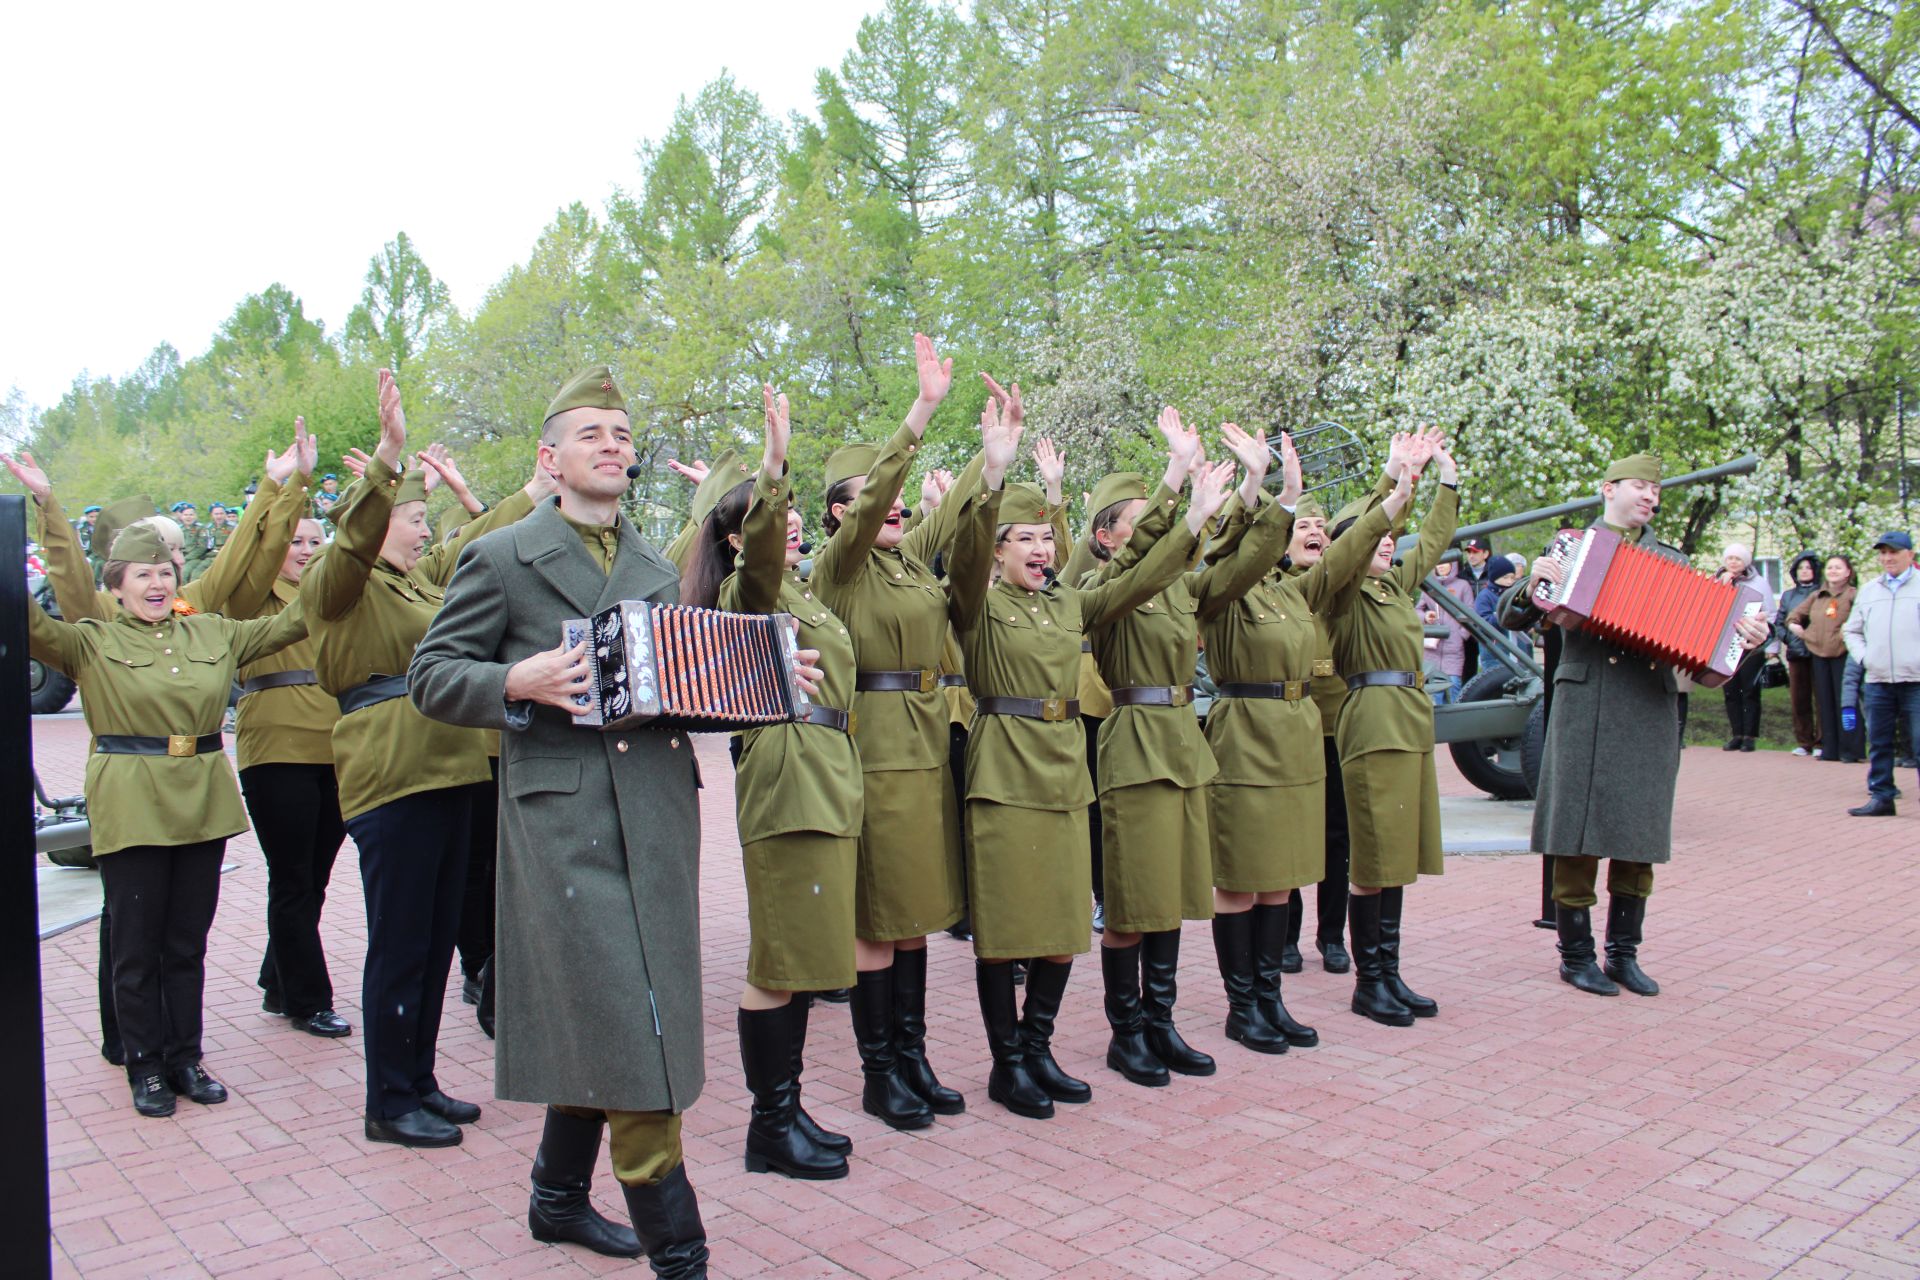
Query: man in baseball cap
[{"x": 1883, "y": 635}]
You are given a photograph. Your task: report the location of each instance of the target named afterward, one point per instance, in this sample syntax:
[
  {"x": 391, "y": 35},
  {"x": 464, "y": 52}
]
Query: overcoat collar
[{"x": 547, "y": 543}]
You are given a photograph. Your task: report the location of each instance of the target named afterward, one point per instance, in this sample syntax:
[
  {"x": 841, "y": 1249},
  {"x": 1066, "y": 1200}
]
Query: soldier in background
[
  {"x": 196, "y": 540},
  {"x": 84, "y": 528}
]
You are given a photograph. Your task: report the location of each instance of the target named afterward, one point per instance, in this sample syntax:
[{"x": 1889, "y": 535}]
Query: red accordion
[
  {"x": 678, "y": 667},
  {"x": 1642, "y": 601}
]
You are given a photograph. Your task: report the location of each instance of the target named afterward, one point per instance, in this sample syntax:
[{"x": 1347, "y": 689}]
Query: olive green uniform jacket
[
  {"x": 598, "y": 1002},
  {"x": 1614, "y": 706},
  {"x": 366, "y": 617},
  {"x": 163, "y": 679}
]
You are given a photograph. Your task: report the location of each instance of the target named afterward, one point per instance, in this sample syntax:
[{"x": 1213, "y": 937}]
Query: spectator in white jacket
[{"x": 1883, "y": 633}]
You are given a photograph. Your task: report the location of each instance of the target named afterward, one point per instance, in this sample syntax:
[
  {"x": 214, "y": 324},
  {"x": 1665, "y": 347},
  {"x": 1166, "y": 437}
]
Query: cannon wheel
[
  {"x": 48, "y": 690},
  {"x": 1495, "y": 765}
]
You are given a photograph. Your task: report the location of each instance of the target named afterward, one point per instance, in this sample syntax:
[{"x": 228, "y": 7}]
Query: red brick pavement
[{"x": 1758, "y": 1118}]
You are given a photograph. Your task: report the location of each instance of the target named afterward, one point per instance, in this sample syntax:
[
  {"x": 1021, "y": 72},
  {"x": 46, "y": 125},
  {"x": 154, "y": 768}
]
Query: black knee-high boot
[
  {"x": 1233, "y": 951},
  {"x": 884, "y": 1094},
  {"x": 1577, "y": 968},
  {"x": 774, "y": 1142},
  {"x": 1269, "y": 928},
  {"x": 1010, "y": 1083},
  {"x": 1626, "y": 916},
  {"x": 1127, "y": 1051},
  {"x": 560, "y": 1209},
  {"x": 1290, "y": 961},
  {"x": 1391, "y": 902},
  {"x": 840, "y": 1142},
  {"x": 1159, "y": 987},
  {"x": 1371, "y": 999},
  {"x": 1046, "y": 985},
  {"x": 666, "y": 1218},
  {"x": 910, "y": 1033}
]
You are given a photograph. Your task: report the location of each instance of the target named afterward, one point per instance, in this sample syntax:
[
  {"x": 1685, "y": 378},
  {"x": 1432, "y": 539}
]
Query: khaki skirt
[
  {"x": 1156, "y": 857},
  {"x": 800, "y": 911},
  {"x": 1030, "y": 872},
  {"x": 1268, "y": 839},
  {"x": 1393, "y": 818},
  {"x": 908, "y": 881}
]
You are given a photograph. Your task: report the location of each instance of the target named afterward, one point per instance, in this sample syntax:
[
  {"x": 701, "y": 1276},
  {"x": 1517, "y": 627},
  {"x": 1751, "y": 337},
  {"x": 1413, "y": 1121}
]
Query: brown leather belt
[
  {"x": 372, "y": 693},
  {"x": 176, "y": 744},
  {"x": 953, "y": 682},
  {"x": 278, "y": 680},
  {"x": 1030, "y": 708},
  {"x": 1152, "y": 695},
  {"x": 831, "y": 717},
  {"x": 1284, "y": 690},
  {"x": 1401, "y": 679},
  {"x": 896, "y": 681}
]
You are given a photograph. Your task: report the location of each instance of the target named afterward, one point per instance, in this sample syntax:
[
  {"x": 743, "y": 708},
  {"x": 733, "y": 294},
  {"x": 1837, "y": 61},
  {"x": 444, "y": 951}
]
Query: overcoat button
[{"x": 621, "y": 746}]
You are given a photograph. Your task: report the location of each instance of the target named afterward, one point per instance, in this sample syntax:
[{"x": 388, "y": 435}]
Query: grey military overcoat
[
  {"x": 598, "y": 971},
  {"x": 1613, "y": 745}
]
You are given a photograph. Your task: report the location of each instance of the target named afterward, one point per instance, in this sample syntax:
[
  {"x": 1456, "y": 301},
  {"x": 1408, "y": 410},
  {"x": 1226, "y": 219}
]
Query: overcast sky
[{"x": 163, "y": 161}]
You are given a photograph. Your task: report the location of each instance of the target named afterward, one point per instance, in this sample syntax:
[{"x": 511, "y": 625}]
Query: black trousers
[
  {"x": 1836, "y": 743},
  {"x": 413, "y": 867},
  {"x": 109, "y": 1019},
  {"x": 1094, "y": 827},
  {"x": 161, "y": 900},
  {"x": 1742, "y": 694},
  {"x": 296, "y": 814},
  {"x": 476, "y": 904}
]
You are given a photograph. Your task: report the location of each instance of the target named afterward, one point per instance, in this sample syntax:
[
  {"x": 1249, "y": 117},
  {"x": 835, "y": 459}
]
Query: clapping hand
[
  {"x": 773, "y": 455},
  {"x": 1292, "y": 486},
  {"x": 393, "y": 422},
  {"x": 1013, "y": 410},
  {"x": 1212, "y": 485},
  {"x": 936, "y": 375},
  {"x": 1052, "y": 468},
  {"x": 933, "y": 489},
  {"x": 1183, "y": 447},
  {"x": 356, "y": 460},
  {"x": 999, "y": 442},
  {"x": 1253, "y": 455},
  {"x": 280, "y": 467}
]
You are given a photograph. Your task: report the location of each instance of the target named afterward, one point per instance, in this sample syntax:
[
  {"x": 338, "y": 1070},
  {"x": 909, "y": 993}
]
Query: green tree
[{"x": 399, "y": 309}]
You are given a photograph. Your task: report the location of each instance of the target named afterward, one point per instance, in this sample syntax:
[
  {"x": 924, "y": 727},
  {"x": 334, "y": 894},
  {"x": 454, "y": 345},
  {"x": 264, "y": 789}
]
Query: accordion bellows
[
  {"x": 1644, "y": 602},
  {"x": 674, "y": 666}
]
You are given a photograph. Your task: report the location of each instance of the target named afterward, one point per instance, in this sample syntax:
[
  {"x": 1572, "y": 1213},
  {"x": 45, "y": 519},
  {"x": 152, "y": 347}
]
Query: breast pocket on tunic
[{"x": 1570, "y": 673}]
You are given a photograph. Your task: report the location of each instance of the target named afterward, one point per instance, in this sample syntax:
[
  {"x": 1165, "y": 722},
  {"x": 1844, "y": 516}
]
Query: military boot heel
[
  {"x": 666, "y": 1218},
  {"x": 884, "y": 1094},
  {"x": 1577, "y": 968},
  {"x": 1371, "y": 999},
  {"x": 1159, "y": 988},
  {"x": 560, "y": 1208},
  {"x": 910, "y": 1034},
  {"x": 1010, "y": 1083},
  {"x": 1391, "y": 903},
  {"x": 1046, "y": 986},
  {"x": 1625, "y": 918},
  {"x": 840, "y": 1142},
  {"x": 774, "y": 1143},
  {"x": 1269, "y": 927},
  {"x": 1127, "y": 1051},
  {"x": 1233, "y": 951}
]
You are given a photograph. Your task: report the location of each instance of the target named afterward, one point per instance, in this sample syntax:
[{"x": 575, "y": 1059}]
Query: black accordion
[{"x": 673, "y": 666}]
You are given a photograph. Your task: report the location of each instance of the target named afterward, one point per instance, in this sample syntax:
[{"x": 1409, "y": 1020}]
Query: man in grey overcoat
[
  {"x": 1612, "y": 758},
  {"x": 598, "y": 971}
]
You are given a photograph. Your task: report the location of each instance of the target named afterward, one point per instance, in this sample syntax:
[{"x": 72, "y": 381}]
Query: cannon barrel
[{"x": 1743, "y": 465}]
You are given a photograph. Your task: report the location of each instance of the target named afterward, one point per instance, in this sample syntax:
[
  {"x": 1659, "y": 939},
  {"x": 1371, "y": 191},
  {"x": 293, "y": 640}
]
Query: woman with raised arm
[
  {"x": 160, "y": 794},
  {"x": 1385, "y": 736},
  {"x": 1266, "y": 734},
  {"x": 1027, "y": 784},
  {"x": 798, "y": 801},
  {"x": 406, "y": 782},
  {"x": 877, "y": 578},
  {"x": 1155, "y": 763}
]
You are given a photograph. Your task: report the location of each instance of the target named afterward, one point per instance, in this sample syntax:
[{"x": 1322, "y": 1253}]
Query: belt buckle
[
  {"x": 929, "y": 680},
  {"x": 1322, "y": 667},
  {"x": 853, "y": 723},
  {"x": 182, "y": 744},
  {"x": 1053, "y": 709},
  {"x": 1182, "y": 695}
]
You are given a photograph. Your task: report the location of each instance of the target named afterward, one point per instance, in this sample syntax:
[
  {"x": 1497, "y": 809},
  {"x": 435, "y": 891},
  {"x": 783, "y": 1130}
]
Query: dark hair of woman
[
  {"x": 1853, "y": 575},
  {"x": 1342, "y": 527},
  {"x": 1108, "y": 517},
  {"x": 711, "y": 560},
  {"x": 842, "y": 493}
]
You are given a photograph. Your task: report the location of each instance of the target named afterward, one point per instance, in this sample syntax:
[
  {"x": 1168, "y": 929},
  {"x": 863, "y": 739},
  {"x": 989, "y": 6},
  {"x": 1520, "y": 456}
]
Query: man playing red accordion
[{"x": 1612, "y": 758}]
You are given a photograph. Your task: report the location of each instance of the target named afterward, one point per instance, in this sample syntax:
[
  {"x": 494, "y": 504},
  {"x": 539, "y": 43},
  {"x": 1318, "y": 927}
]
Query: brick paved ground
[{"x": 1758, "y": 1118}]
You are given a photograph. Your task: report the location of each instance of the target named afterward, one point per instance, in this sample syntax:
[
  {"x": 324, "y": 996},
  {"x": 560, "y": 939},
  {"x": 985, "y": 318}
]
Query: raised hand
[
  {"x": 1212, "y": 484},
  {"x": 999, "y": 443},
  {"x": 936, "y": 375},
  {"x": 356, "y": 460},
  {"x": 1183, "y": 443},
  {"x": 1253, "y": 455},
  {"x": 393, "y": 422},
  {"x": 1398, "y": 452},
  {"x": 307, "y": 446},
  {"x": 1292, "y": 486},
  {"x": 1013, "y": 409},
  {"x": 1396, "y": 502},
  {"x": 441, "y": 469},
  {"x": 773, "y": 454},
  {"x": 1052, "y": 468},
  {"x": 692, "y": 472},
  {"x": 280, "y": 467},
  {"x": 933, "y": 488},
  {"x": 29, "y": 474},
  {"x": 1449, "y": 470}
]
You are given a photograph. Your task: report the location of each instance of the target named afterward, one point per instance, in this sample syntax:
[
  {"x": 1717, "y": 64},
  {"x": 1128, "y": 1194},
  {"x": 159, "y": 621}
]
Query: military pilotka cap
[
  {"x": 1120, "y": 486},
  {"x": 1639, "y": 466},
  {"x": 412, "y": 487},
  {"x": 1023, "y": 504},
  {"x": 117, "y": 516},
  {"x": 851, "y": 460},
  {"x": 727, "y": 473},
  {"x": 1894, "y": 540},
  {"x": 141, "y": 544},
  {"x": 1309, "y": 508},
  {"x": 593, "y": 387}
]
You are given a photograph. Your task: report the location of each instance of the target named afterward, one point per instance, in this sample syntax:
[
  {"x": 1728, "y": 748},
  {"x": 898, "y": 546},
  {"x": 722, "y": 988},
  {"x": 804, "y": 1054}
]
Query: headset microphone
[
  {"x": 633, "y": 472},
  {"x": 806, "y": 548}
]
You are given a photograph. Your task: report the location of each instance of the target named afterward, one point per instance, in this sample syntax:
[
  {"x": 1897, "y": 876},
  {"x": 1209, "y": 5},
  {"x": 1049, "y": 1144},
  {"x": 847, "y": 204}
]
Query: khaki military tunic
[
  {"x": 367, "y": 617},
  {"x": 1385, "y": 733},
  {"x": 170, "y": 680},
  {"x": 1028, "y": 860},
  {"x": 798, "y": 794},
  {"x": 896, "y": 610}
]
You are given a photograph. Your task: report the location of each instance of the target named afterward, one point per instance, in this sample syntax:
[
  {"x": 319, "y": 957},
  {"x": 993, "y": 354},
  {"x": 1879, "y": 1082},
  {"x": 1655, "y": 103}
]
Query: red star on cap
[{"x": 606, "y": 386}]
